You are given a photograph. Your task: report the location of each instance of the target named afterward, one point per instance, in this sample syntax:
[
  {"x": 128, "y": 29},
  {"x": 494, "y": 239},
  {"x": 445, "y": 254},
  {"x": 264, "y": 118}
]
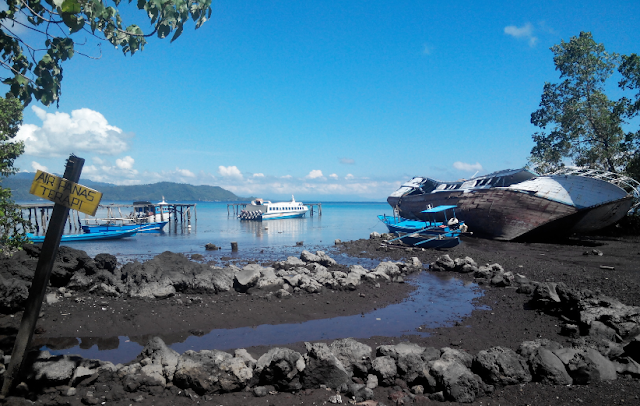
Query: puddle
[{"x": 437, "y": 302}]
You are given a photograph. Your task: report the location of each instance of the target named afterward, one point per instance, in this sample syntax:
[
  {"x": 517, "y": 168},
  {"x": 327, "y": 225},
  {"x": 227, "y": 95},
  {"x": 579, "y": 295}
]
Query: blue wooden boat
[
  {"x": 107, "y": 235},
  {"x": 441, "y": 229},
  {"x": 440, "y": 220},
  {"x": 420, "y": 240},
  {"x": 142, "y": 228}
]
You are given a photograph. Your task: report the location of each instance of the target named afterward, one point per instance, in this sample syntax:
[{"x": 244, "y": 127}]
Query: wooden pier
[
  {"x": 40, "y": 213},
  {"x": 236, "y": 208}
]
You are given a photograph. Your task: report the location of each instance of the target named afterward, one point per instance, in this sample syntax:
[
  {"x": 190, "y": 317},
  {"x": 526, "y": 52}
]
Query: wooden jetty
[
  {"x": 236, "y": 208},
  {"x": 40, "y": 213}
]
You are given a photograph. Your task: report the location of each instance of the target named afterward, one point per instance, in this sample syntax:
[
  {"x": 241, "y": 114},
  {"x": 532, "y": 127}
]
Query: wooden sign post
[{"x": 63, "y": 199}]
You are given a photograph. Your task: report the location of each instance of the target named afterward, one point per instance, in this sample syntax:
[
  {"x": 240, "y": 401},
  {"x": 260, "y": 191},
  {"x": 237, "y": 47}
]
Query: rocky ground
[{"x": 141, "y": 303}]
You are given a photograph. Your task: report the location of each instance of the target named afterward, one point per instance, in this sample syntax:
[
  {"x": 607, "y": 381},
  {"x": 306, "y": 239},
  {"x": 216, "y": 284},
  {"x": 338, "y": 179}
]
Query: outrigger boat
[
  {"x": 430, "y": 233},
  {"x": 146, "y": 217},
  {"x": 108, "y": 235}
]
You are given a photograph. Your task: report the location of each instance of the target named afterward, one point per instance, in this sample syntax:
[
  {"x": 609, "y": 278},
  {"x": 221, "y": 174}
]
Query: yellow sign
[{"x": 66, "y": 193}]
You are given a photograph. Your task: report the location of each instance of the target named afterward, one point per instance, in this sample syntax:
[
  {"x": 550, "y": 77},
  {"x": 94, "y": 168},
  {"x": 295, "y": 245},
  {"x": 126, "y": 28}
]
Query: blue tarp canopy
[{"x": 438, "y": 209}]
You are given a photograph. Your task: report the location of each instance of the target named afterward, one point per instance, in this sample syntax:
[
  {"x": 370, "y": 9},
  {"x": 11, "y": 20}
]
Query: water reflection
[
  {"x": 436, "y": 302},
  {"x": 291, "y": 227}
]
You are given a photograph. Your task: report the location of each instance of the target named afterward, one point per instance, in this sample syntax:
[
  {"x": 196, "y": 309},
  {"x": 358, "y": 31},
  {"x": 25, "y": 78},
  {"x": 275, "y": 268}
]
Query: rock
[
  {"x": 13, "y": 294},
  {"x": 388, "y": 269},
  {"x": 107, "y": 262},
  {"x": 260, "y": 391},
  {"x": 459, "y": 383},
  {"x": 211, "y": 247},
  {"x": 548, "y": 368},
  {"x": 211, "y": 372},
  {"x": 374, "y": 235},
  {"x": 281, "y": 368},
  {"x": 159, "y": 354},
  {"x": 247, "y": 277},
  {"x": 307, "y": 257},
  {"x": 462, "y": 357},
  {"x": 465, "y": 265},
  {"x": 583, "y": 366},
  {"x": 385, "y": 369},
  {"x": 53, "y": 370},
  {"x": 246, "y": 357},
  {"x": 323, "y": 368},
  {"x": 600, "y": 330},
  {"x": 501, "y": 366},
  {"x": 443, "y": 264},
  {"x": 354, "y": 356},
  {"x": 337, "y": 242},
  {"x": 372, "y": 381},
  {"x": 546, "y": 292},
  {"x": 627, "y": 366}
]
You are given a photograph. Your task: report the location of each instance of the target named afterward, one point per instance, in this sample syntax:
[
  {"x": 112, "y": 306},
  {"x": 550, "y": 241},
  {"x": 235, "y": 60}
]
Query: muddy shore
[{"x": 505, "y": 318}]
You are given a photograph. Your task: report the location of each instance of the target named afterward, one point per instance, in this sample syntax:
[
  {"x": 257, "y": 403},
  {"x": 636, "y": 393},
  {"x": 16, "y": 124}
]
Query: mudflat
[{"x": 503, "y": 317}]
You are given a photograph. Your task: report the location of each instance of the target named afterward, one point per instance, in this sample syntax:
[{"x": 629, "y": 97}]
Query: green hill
[{"x": 21, "y": 182}]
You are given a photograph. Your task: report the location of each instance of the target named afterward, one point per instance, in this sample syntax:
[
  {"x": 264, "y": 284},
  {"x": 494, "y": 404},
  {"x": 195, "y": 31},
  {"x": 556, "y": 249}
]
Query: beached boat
[
  {"x": 108, "y": 235},
  {"x": 441, "y": 229},
  {"x": 421, "y": 240},
  {"x": 439, "y": 219},
  {"x": 265, "y": 210},
  {"x": 518, "y": 203}
]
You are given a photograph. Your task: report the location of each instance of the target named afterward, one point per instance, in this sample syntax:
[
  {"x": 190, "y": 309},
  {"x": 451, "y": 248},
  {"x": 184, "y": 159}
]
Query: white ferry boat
[{"x": 265, "y": 210}]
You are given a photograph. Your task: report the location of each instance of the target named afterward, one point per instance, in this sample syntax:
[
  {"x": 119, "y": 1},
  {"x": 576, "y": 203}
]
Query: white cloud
[
  {"x": 258, "y": 175},
  {"x": 315, "y": 174},
  {"x": 230, "y": 172},
  {"x": 333, "y": 176},
  {"x": 185, "y": 172},
  {"x": 125, "y": 163},
  {"x": 462, "y": 166},
  {"x": 349, "y": 176},
  {"x": 287, "y": 177},
  {"x": 37, "y": 167},
  {"x": 84, "y": 130},
  {"x": 347, "y": 161},
  {"x": 524, "y": 32}
]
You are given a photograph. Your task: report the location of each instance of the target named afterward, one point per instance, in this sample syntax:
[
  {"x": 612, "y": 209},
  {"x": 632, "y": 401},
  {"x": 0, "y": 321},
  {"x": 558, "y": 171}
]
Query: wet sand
[{"x": 502, "y": 319}]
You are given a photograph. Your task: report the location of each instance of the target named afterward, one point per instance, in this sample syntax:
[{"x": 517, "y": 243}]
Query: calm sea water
[{"x": 213, "y": 224}]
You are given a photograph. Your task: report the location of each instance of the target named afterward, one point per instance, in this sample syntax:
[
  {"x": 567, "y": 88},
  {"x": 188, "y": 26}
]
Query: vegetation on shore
[{"x": 20, "y": 183}]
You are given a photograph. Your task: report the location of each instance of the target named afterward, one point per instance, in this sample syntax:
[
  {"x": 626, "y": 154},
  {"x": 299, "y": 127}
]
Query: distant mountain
[{"x": 20, "y": 184}]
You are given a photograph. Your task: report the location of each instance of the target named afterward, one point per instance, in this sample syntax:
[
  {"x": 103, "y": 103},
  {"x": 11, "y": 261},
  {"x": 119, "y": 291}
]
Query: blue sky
[{"x": 327, "y": 100}]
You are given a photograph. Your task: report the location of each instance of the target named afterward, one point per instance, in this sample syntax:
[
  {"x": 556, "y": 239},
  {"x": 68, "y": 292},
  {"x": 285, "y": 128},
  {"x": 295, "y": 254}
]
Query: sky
[{"x": 325, "y": 100}]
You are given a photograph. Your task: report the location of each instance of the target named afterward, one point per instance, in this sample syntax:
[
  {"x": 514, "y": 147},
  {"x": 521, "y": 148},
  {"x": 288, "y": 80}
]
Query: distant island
[{"x": 20, "y": 184}]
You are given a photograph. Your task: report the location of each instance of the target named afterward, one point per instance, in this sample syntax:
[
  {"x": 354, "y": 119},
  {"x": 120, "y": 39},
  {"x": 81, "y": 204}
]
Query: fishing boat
[
  {"x": 421, "y": 240},
  {"x": 441, "y": 229},
  {"x": 434, "y": 225},
  {"x": 107, "y": 235},
  {"x": 104, "y": 227},
  {"x": 265, "y": 210},
  {"x": 511, "y": 204},
  {"x": 146, "y": 217}
]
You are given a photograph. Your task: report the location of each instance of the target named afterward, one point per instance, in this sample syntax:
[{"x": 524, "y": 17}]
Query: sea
[{"x": 216, "y": 223}]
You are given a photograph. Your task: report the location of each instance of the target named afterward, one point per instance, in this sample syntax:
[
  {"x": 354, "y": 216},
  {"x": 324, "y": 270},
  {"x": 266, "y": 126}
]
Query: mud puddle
[{"x": 436, "y": 302}]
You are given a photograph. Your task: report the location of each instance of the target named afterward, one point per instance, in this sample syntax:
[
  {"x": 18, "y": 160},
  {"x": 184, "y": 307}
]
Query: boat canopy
[{"x": 438, "y": 209}]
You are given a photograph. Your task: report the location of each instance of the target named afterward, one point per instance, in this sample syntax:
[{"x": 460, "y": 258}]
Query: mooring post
[
  {"x": 40, "y": 280},
  {"x": 234, "y": 246}
]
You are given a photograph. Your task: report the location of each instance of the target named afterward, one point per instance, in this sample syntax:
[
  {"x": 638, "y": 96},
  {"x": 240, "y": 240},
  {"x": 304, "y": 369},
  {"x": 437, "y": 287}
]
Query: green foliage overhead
[
  {"x": 580, "y": 123},
  {"x": 33, "y": 59},
  {"x": 12, "y": 226}
]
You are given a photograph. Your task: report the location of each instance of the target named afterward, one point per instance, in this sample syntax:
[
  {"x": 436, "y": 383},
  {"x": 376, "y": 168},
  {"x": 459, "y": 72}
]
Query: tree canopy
[
  {"x": 579, "y": 122},
  {"x": 36, "y": 36},
  {"x": 13, "y": 227}
]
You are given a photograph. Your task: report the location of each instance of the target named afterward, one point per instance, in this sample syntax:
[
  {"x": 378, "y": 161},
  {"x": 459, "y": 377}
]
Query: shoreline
[{"x": 503, "y": 320}]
